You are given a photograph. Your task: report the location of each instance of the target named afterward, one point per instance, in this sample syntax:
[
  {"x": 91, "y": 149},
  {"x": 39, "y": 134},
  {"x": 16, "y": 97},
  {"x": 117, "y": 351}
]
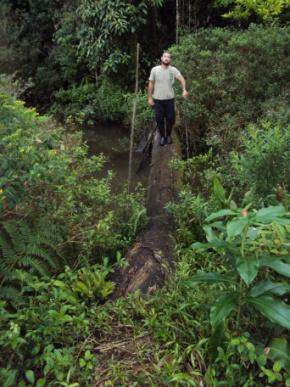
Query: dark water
[{"x": 113, "y": 141}]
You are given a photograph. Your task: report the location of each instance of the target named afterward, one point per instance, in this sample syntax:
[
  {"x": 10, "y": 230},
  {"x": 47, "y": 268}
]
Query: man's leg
[
  {"x": 159, "y": 108},
  {"x": 170, "y": 118}
]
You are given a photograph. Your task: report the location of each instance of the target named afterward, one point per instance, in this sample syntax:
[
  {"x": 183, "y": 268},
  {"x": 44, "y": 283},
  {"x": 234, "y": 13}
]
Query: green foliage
[
  {"x": 182, "y": 354},
  {"x": 239, "y": 360},
  {"x": 144, "y": 114},
  {"x": 48, "y": 175},
  {"x": 243, "y": 242},
  {"x": 40, "y": 339},
  {"x": 241, "y": 9},
  {"x": 232, "y": 328},
  {"x": 264, "y": 161},
  {"x": 88, "y": 104},
  {"x": 106, "y": 27},
  {"x": 29, "y": 31},
  {"x": 30, "y": 247},
  {"x": 70, "y": 66},
  {"x": 189, "y": 214},
  {"x": 233, "y": 77},
  {"x": 75, "y": 105},
  {"x": 110, "y": 100}
]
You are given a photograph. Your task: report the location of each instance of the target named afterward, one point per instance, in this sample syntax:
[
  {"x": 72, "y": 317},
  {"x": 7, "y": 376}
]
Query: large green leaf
[
  {"x": 220, "y": 214},
  {"x": 214, "y": 244},
  {"x": 280, "y": 351},
  {"x": 269, "y": 214},
  {"x": 277, "y": 265},
  {"x": 272, "y": 308},
  {"x": 219, "y": 224},
  {"x": 236, "y": 226},
  {"x": 248, "y": 268},
  {"x": 222, "y": 308},
  {"x": 283, "y": 221},
  {"x": 278, "y": 288},
  {"x": 218, "y": 190},
  {"x": 211, "y": 278},
  {"x": 201, "y": 246},
  {"x": 209, "y": 233},
  {"x": 217, "y": 339}
]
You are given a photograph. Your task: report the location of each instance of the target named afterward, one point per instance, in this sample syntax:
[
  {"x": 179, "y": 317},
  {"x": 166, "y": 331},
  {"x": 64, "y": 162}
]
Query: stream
[{"x": 113, "y": 141}]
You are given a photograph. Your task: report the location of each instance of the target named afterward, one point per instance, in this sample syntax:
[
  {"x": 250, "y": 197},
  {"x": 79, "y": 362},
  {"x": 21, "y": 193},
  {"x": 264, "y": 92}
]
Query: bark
[{"x": 150, "y": 260}]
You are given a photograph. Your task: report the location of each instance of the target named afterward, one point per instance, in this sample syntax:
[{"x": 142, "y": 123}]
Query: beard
[{"x": 165, "y": 63}]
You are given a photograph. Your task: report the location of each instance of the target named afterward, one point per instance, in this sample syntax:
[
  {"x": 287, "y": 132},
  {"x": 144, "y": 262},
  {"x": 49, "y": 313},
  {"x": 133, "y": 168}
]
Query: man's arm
[
  {"x": 183, "y": 85},
  {"x": 150, "y": 92}
]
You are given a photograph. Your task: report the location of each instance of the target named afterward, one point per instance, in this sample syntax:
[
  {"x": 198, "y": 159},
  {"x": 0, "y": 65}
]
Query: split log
[{"x": 150, "y": 260}]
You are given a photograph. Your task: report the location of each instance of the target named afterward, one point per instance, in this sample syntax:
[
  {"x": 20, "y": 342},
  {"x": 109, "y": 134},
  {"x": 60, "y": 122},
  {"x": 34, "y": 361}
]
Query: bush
[
  {"x": 42, "y": 337},
  {"x": 87, "y": 104},
  {"x": 264, "y": 161},
  {"x": 54, "y": 208},
  {"x": 233, "y": 76}
]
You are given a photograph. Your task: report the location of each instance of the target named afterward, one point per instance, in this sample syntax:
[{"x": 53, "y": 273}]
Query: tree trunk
[{"x": 150, "y": 260}]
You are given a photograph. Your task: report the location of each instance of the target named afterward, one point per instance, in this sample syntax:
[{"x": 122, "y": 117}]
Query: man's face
[{"x": 166, "y": 58}]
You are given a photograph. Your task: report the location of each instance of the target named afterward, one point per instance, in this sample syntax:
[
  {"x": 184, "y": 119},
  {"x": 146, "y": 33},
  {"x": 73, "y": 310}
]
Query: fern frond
[{"x": 35, "y": 263}]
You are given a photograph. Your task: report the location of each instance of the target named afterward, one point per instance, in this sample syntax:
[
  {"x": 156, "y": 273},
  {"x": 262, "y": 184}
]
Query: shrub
[
  {"x": 42, "y": 337},
  {"x": 87, "y": 103},
  {"x": 231, "y": 74},
  {"x": 47, "y": 174},
  {"x": 264, "y": 161}
]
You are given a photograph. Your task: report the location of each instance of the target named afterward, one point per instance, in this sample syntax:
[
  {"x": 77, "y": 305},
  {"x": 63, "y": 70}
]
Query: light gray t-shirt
[{"x": 163, "y": 81}]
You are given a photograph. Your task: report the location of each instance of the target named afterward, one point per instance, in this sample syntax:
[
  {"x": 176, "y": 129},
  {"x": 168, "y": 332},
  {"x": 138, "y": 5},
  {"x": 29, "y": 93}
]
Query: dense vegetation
[{"x": 224, "y": 318}]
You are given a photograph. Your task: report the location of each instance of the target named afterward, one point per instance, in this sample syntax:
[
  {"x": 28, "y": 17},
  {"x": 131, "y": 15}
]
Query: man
[{"x": 161, "y": 95}]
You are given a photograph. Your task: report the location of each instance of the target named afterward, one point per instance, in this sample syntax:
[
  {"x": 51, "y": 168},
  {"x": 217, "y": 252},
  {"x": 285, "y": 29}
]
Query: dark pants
[{"x": 164, "y": 109}]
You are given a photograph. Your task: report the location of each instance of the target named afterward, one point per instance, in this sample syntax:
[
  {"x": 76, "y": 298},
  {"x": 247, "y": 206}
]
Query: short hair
[{"x": 166, "y": 52}]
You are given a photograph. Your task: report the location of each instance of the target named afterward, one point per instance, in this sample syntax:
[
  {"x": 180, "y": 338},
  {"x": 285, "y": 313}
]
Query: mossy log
[{"x": 150, "y": 260}]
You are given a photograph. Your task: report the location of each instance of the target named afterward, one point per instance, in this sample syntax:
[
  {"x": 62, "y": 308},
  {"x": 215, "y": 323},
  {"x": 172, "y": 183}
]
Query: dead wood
[{"x": 150, "y": 260}]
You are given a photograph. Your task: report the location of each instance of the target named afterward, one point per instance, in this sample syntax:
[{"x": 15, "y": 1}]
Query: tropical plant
[
  {"x": 231, "y": 74},
  {"x": 255, "y": 245},
  {"x": 263, "y": 164},
  {"x": 42, "y": 337},
  {"x": 32, "y": 247},
  {"x": 243, "y": 9}
]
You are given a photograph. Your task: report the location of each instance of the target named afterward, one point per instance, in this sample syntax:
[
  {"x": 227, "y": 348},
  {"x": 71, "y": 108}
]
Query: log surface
[{"x": 150, "y": 260}]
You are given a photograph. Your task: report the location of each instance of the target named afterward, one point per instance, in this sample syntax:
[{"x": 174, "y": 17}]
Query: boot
[
  {"x": 162, "y": 141},
  {"x": 169, "y": 140}
]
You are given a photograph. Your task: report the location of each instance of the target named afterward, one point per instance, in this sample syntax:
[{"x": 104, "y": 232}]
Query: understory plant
[
  {"x": 254, "y": 245},
  {"x": 45, "y": 334}
]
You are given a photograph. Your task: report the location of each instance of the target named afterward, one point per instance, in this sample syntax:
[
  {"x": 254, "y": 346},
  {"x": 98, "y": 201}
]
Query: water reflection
[{"x": 113, "y": 141}]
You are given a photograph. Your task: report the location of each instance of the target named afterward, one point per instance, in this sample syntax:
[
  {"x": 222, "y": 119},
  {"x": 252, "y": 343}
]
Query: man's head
[{"x": 166, "y": 58}]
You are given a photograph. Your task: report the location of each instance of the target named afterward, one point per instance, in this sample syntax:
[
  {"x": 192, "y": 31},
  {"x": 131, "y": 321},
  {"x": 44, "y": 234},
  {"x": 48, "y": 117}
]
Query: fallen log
[{"x": 150, "y": 260}]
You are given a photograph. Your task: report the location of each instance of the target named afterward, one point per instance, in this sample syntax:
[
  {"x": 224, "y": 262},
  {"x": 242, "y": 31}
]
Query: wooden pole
[
  {"x": 177, "y": 22},
  {"x": 133, "y": 116},
  {"x": 187, "y": 139},
  {"x": 189, "y": 15}
]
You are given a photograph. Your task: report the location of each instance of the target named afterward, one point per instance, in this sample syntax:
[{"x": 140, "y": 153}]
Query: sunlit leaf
[
  {"x": 278, "y": 288},
  {"x": 220, "y": 214},
  {"x": 280, "y": 351},
  {"x": 277, "y": 265},
  {"x": 248, "y": 268},
  {"x": 210, "y": 278},
  {"x": 269, "y": 214},
  {"x": 222, "y": 308},
  {"x": 236, "y": 227},
  {"x": 272, "y": 308}
]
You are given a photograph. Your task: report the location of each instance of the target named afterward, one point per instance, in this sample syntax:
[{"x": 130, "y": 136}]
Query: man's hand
[
  {"x": 150, "y": 101},
  {"x": 185, "y": 93}
]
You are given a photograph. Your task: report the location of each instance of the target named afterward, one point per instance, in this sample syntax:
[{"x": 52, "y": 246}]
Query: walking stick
[
  {"x": 146, "y": 148},
  {"x": 133, "y": 117}
]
